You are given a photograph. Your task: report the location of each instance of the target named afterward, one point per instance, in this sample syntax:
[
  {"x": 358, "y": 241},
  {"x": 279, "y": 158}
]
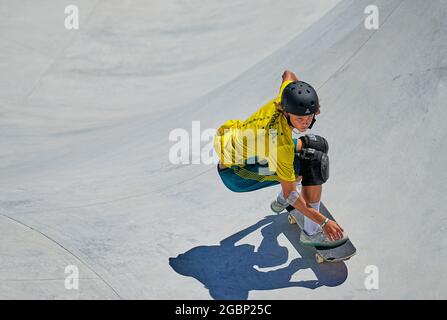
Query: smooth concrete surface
[{"x": 85, "y": 176}]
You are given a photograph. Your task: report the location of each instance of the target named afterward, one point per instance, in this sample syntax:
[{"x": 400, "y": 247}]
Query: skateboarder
[{"x": 301, "y": 165}]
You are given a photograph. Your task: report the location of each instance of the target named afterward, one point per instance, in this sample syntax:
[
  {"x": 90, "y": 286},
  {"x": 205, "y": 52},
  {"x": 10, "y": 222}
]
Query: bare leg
[{"x": 312, "y": 196}]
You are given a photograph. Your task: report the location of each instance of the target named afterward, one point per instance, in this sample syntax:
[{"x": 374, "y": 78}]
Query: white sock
[
  {"x": 311, "y": 227},
  {"x": 281, "y": 198}
]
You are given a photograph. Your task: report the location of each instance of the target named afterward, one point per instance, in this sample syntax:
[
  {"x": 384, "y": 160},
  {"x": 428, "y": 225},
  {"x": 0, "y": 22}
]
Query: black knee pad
[
  {"x": 314, "y": 167},
  {"x": 312, "y": 141}
]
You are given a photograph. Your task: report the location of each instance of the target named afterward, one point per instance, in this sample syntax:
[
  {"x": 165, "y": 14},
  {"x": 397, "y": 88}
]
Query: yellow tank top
[{"x": 264, "y": 137}]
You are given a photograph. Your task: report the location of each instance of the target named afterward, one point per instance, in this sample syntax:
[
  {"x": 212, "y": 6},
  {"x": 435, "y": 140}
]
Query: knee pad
[
  {"x": 312, "y": 141},
  {"x": 314, "y": 167}
]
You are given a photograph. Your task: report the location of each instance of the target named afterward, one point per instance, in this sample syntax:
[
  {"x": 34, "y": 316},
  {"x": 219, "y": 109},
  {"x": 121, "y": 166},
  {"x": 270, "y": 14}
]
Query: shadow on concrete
[{"x": 231, "y": 271}]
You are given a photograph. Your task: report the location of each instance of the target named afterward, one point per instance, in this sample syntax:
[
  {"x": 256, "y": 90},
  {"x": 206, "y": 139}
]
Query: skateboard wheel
[
  {"x": 291, "y": 219},
  {"x": 319, "y": 258}
]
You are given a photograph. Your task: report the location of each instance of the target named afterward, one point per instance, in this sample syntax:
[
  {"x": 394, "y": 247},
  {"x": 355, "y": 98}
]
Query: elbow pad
[{"x": 293, "y": 196}]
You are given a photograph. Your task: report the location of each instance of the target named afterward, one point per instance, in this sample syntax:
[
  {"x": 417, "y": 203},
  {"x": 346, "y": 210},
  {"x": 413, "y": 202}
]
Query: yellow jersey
[{"x": 264, "y": 137}]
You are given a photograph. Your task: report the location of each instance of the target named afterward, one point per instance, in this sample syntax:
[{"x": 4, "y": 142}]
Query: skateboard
[{"x": 341, "y": 252}]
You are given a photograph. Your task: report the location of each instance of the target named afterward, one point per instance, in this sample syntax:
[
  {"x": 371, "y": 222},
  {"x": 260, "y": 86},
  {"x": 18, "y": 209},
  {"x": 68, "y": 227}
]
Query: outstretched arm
[
  {"x": 300, "y": 204},
  {"x": 332, "y": 229}
]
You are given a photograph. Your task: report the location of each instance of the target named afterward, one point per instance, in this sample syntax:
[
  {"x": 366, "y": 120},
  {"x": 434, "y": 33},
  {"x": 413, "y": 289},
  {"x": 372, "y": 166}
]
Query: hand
[
  {"x": 333, "y": 230},
  {"x": 289, "y": 75}
]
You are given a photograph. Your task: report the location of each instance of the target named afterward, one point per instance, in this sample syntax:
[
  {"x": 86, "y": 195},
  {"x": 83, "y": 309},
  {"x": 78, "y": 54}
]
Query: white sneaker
[
  {"x": 277, "y": 207},
  {"x": 320, "y": 239}
]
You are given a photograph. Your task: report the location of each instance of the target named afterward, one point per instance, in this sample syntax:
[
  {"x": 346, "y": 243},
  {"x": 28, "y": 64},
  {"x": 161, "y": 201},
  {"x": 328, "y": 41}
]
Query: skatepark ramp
[{"x": 91, "y": 187}]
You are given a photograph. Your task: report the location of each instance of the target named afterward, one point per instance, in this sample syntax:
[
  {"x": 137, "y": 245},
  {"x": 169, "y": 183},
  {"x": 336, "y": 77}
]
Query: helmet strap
[{"x": 313, "y": 121}]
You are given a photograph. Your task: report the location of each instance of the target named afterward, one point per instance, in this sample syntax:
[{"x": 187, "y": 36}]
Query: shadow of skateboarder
[{"x": 231, "y": 271}]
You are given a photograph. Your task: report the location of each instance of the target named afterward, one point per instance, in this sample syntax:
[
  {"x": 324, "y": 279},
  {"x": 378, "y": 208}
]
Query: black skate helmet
[{"x": 299, "y": 98}]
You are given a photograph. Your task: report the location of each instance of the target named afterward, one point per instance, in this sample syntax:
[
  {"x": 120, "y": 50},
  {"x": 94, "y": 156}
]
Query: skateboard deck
[{"x": 339, "y": 253}]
